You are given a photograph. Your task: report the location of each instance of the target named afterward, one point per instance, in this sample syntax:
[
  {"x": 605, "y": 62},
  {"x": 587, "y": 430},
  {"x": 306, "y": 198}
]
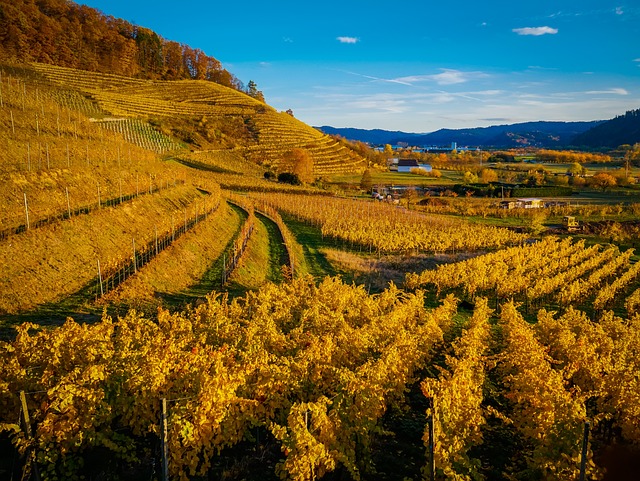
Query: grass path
[{"x": 263, "y": 260}]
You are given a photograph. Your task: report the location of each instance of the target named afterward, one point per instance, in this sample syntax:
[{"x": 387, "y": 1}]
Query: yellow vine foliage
[
  {"x": 458, "y": 414},
  {"x": 543, "y": 411}
]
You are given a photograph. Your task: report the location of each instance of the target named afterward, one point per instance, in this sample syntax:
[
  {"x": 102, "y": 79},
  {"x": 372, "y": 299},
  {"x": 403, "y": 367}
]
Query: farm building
[
  {"x": 405, "y": 165},
  {"x": 528, "y": 203}
]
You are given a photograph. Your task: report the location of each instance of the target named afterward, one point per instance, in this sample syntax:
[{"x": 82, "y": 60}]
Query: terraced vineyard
[
  {"x": 272, "y": 134},
  {"x": 141, "y": 134},
  {"x": 61, "y": 259}
]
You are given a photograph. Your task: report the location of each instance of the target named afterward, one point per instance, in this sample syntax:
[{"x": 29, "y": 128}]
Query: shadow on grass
[
  {"x": 78, "y": 306},
  {"x": 277, "y": 257},
  {"x": 311, "y": 240}
]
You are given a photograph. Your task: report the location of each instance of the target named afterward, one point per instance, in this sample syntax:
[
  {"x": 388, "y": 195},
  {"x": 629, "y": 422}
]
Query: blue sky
[{"x": 416, "y": 66}]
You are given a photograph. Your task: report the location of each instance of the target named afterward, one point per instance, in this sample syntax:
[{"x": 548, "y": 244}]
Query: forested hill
[
  {"x": 63, "y": 33},
  {"x": 623, "y": 129},
  {"x": 528, "y": 134}
]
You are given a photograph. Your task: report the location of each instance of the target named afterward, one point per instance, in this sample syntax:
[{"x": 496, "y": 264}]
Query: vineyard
[
  {"x": 384, "y": 228},
  {"x": 142, "y": 134},
  {"x": 308, "y": 375},
  {"x": 198, "y": 346},
  {"x": 53, "y": 264},
  {"x": 549, "y": 272}
]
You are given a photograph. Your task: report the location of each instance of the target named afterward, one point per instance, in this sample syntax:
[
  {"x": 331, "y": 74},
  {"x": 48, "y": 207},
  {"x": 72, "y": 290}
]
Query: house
[
  {"x": 509, "y": 204},
  {"x": 405, "y": 165}
]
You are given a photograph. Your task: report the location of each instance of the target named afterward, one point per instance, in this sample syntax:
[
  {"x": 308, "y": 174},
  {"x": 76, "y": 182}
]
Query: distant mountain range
[{"x": 528, "y": 134}]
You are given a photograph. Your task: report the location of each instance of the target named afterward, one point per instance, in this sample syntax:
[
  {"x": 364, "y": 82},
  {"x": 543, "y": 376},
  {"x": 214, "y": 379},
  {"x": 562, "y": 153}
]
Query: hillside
[
  {"x": 528, "y": 134},
  {"x": 624, "y": 129},
  {"x": 194, "y": 115}
]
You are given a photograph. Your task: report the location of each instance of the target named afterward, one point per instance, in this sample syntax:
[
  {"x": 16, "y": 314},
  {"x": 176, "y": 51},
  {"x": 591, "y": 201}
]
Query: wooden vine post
[
  {"x": 26, "y": 209},
  {"x": 31, "y": 454},
  {"x": 164, "y": 439}
]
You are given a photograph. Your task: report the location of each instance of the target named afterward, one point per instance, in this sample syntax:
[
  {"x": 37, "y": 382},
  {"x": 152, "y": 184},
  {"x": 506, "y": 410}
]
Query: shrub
[{"x": 289, "y": 178}]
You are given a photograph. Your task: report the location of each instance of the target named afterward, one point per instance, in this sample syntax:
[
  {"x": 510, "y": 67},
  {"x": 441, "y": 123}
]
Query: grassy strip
[
  {"x": 262, "y": 260},
  {"x": 312, "y": 242},
  {"x": 185, "y": 270}
]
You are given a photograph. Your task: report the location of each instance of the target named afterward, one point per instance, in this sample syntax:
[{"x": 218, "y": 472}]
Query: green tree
[
  {"x": 576, "y": 169},
  {"x": 288, "y": 178},
  {"x": 252, "y": 91}
]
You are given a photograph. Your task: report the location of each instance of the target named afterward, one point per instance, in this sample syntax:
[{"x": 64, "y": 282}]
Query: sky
[{"x": 420, "y": 65}]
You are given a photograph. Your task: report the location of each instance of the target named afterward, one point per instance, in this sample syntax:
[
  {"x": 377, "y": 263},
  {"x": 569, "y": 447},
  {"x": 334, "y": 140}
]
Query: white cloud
[
  {"x": 450, "y": 77},
  {"x": 446, "y": 77},
  {"x": 619, "y": 11},
  {"x": 636, "y": 59},
  {"x": 287, "y": 40},
  {"x": 347, "y": 39},
  {"x": 535, "y": 31},
  {"x": 613, "y": 91}
]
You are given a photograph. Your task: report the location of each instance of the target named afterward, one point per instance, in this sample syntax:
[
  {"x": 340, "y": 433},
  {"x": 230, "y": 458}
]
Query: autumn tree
[
  {"x": 64, "y": 33},
  {"x": 299, "y": 162},
  {"x": 469, "y": 178},
  {"x": 488, "y": 175},
  {"x": 410, "y": 195},
  {"x": 603, "y": 181}
]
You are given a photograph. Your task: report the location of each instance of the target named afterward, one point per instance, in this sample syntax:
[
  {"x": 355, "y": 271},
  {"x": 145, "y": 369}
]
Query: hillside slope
[{"x": 206, "y": 116}]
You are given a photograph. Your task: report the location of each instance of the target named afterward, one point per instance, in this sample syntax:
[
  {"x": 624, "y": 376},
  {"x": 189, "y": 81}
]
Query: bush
[{"x": 289, "y": 178}]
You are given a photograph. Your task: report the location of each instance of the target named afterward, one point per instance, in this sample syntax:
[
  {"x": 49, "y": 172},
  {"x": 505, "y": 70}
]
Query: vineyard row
[
  {"x": 85, "y": 209},
  {"x": 142, "y": 256}
]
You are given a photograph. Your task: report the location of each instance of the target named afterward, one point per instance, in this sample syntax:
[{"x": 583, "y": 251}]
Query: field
[{"x": 166, "y": 309}]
